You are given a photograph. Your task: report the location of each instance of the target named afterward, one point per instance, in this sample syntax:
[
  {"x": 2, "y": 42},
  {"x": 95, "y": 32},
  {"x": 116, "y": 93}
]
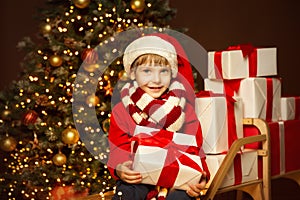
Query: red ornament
[
  {"x": 89, "y": 56},
  {"x": 30, "y": 117}
]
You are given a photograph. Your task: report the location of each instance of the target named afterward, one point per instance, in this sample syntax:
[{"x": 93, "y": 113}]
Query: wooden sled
[{"x": 259, "y": 189}]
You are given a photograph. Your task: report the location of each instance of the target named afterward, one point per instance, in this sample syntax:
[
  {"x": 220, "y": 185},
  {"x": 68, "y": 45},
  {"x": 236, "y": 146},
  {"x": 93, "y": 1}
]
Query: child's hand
[
  {"x": 195, "y": 190},
  {"x": 126, "y": 174}
]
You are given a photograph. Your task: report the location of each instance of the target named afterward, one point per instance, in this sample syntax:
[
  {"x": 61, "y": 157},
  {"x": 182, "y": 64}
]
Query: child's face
[{"x": 154, "y": 80}]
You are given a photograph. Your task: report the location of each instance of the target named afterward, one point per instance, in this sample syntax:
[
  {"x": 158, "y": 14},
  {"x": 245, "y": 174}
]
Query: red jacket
[{"x": 122, "y": 127}]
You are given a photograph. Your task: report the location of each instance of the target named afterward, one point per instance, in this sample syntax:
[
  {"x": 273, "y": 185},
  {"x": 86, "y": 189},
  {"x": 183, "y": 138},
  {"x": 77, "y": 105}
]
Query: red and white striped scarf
[{"x": 166, "y": 112}]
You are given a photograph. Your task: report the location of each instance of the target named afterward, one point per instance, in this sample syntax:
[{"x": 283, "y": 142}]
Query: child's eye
[
  {"x": 165, "y": 71},
  {"x": 146, "y": 71}
]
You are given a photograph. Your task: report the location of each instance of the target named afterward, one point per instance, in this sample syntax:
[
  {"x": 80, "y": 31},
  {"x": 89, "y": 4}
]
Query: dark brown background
[{"x": 214, "y": 24}]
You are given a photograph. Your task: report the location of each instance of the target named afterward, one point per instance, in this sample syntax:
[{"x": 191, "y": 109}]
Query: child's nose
[{"x": 156, "y": 77}]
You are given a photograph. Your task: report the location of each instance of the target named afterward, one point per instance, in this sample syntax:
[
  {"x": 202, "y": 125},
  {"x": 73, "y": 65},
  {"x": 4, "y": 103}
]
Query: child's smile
[{"x": 154, "y": 80}]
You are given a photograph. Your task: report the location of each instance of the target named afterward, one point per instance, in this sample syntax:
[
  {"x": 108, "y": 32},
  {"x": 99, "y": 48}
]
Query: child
[{"x": 156, "y": 97}]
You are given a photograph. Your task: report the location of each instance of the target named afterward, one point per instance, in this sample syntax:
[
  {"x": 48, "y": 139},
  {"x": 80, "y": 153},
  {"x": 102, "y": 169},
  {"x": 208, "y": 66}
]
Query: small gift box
[
  {"x": 242, "y": 61},
  {"x": 260, "y": 96},
  {"x": 166, "y": 158},
  {"x": 244, "y": 168},
  {"x": 221, "y": 119},
  {"x": 290, "y": 108}
]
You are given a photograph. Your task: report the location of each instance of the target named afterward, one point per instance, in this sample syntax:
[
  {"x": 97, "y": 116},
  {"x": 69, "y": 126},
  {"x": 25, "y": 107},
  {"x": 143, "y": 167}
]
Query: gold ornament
[
  {"x": 90, "y": 68},
  {"x": 81, "y": 3},
  {"x": 93, "y": 100},
  {"x": 8, "y": 143},
  {"x": 46, "y": 28},
  {"x": 59, "y": 159},
  {"x": 70, "y": 136},
  {"x": 137, "y": 5},
  {"x": 6, "y": 114},
  {"x": 123, "y": 75},
  {"x": 55, "y": 61}
]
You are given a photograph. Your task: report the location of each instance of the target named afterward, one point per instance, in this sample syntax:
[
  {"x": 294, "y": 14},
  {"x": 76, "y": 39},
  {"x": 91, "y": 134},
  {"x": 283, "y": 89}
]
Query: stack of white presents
[{"x": 243, "y": 83}]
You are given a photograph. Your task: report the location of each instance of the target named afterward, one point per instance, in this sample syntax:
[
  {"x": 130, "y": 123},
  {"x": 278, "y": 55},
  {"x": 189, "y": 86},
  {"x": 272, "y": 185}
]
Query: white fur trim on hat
[{"x": 150, "y": 45}]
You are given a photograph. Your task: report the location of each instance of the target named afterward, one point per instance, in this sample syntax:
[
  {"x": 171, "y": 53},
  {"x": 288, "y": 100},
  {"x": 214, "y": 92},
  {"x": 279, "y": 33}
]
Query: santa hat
[
  {"x": 150, "y": 45},
  {"x": 168, "y": 47},
  {"x": 185, "y": 72},
  {"x": 184, "y": 66},
  {"x": 164, "y": 45}
]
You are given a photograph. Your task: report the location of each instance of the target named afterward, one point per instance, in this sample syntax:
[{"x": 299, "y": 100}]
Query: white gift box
[
  {"x": 212, "y": 114},
  {"x": 254, "y": 94},
  {"x": 235, "y": 66},
  {"x": 249, "y": 167},
  {"x": 150, "y": 161},
  {"x": 290, "y": 108}
]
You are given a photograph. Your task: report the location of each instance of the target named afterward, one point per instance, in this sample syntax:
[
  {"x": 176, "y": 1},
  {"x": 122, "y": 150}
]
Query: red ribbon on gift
[
  {"x": 247, "y": 50},
  {"x": 232, "y": 134},
  {"x": 231, "y": 86},
  {"x": 207, "y": 93},
  {"x": 204, "y": 93},
  {"x": 163, "y": 139},
  {"x": 238, "y": 174}
]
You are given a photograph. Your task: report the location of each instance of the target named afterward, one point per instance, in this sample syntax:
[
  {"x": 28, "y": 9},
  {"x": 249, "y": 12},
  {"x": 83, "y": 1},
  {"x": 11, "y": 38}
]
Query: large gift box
[
  {"x": 221, "y": 119},
  {"x": 166, "y": 158},
  {"x": 241, "y": 62},
  {"x": 244, "y": 168},
  {"x": 285, "y": 147},
  {"x": 290, "y": 108},
  {"x": 260, "y": 96}
]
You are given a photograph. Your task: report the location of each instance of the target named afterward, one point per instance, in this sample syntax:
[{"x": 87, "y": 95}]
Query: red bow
[{"x": 246, "y": 49}]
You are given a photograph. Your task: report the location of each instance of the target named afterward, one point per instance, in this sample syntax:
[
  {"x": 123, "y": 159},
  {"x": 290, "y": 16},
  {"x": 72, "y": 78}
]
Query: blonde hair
[{"x": 150, "y": 59}]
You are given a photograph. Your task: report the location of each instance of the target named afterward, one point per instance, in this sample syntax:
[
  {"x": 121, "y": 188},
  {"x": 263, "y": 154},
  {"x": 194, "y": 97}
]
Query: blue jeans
[{"x": 127, "y": 191}]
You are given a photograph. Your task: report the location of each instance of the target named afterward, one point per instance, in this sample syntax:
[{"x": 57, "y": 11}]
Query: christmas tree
[{"x": 42, "y": 150}]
